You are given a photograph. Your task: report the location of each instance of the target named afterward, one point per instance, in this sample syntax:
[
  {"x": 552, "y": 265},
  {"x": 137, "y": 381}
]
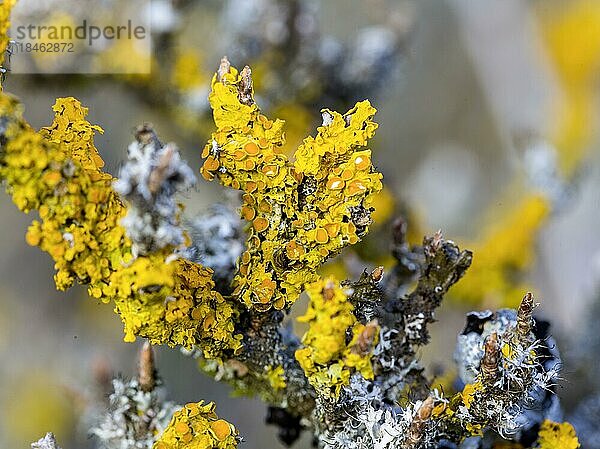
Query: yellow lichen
[
  {"x": 187, "y": 71},
  {"x": 571, "y": 33},
  {"x": 501, "y": 259},
  {"x": 300, "y": 213},
  {"x": 58, "y": 172},
  {"x": 326, "y": 358},
  {"x": 468, "y": 393},
  {"x": 554, "y": 435},
  {"x": 276, "y": 377},
  {"x": 174, "y": 303},
  {"x": 197, "y": 426}
]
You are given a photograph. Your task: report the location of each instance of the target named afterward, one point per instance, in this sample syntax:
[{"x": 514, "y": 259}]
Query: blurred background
[{"x": 489, "y": 117}]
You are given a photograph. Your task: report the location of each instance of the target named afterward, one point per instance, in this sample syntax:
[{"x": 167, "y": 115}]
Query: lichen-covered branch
[{"x": 221, "y": 289}]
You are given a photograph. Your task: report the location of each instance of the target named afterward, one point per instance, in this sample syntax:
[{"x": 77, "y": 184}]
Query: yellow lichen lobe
[
  {"x": 326, "y": 358},
  {"x": 554, "y": 435},
  {"x": 300, "y": 211},
  {"x": 276, "y": 377},
  {"x": 197, "y": 426}
]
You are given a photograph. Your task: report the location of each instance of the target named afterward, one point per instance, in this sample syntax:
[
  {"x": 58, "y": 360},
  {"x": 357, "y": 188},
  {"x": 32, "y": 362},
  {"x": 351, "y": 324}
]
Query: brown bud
[
  {"x": 377, "y": 274},
  {"x": 157, "y": 176},
  {"x": 245, "y": 86},
  {"x": 491, "y": 359},
  {"x": 399, "y": 231},
  {"x": 102, "y": 373},
  {"x": 525, "y": 316},
  {"x": 147, "y": 370},
  {"x": 417, "y": 427},
  {"x": 328, "y": 291},
  {"x": 145, "y": 134},
  {"x": 364, "y": 344}
]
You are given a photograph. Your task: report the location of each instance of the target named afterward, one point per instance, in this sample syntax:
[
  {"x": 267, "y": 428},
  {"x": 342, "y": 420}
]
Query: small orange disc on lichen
[
  {"x": 265, "y": 290},
  {"x": 321, "y": 235},
  {"x": 206, "y": 174},
  {"x": 238, "y": 155},
  {"x": 356, "y": 188},
  {"x": 253, "y": 242},
  {"x": 251, "y": 148},
  {"x": 294, "y": 250},
  {"x": 221, "y": 429},
  {"x": 209, "y": 321},
  {"x": 362, "y": 162},
  {"x": 251, "y": 186},
  {"x": 333, "y": 229},
  {"x": 263, "y": 143},
  {"x": 197, "y": 314},
  {"x": 260, "y": 224},
  {"x": 182, "y": 428},
  {"x": 270, "y": 170},
  {"x": 335, "y": 183},
  {"x": 248, "y": 199},
  {"x": 248, "y": 213},
  {"x": 347, "y": 175},
  {"x": 249, "y": 164},
  {"x": 211, "y": 163},
  {"x": 245, "y": 257}
]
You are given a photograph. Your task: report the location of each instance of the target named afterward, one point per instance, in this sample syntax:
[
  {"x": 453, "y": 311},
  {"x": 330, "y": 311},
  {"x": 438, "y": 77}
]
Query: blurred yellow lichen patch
[
  {"x": 128, "y": 57},
  {"x": 53, "y": 58},
  {"x": 197, "y": 426},
  {"x": 326, "y": 358},
  {"x": 187, "y": 73},
  {"x": 554, "y": 435},
  {"x": 276, "y": 377},
  {"x": 32, "y": 405},
  {"x": 384, "y": 204},
  {"x": 300, "y": 213},
  {"x": 502, "y": 256},
  {"x": 571, "y": 31},
  {"x": 298, "y": 123}
]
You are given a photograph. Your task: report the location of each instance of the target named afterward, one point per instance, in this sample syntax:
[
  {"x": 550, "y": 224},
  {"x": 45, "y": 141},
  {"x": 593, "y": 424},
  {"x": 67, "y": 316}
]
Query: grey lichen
[
  {"x": 217, "y": 242},
  {"x": 47, "y": 442},
  {"x": 148, "y": 182},
  {"x": 138, "y": 411}
]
